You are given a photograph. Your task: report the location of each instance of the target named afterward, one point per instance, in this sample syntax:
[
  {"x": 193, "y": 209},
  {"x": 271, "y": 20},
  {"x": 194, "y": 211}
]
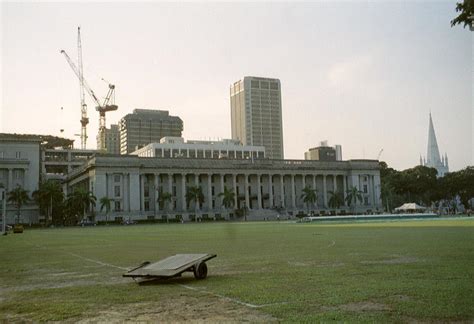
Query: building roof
[{"x": 47, "y": 141}]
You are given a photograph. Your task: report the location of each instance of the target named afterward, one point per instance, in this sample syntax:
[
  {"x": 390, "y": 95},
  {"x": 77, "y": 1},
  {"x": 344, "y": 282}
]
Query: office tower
[
  {"x": 256, "y": 114},
  {"x": 147, "y": 126}
]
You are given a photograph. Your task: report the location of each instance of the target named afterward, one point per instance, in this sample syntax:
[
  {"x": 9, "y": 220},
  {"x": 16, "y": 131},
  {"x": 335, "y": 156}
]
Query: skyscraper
[
  {"x": 433, "y": 159},
  {"x": 147, "y": 126},
  {"x": 256, "y": 114}
]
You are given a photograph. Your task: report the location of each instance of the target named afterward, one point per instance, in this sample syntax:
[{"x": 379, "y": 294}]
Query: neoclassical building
[{"x": 264, "y": 188}]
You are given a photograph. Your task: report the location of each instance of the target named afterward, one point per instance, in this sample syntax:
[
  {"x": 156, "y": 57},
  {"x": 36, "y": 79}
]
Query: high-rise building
[
  {"x": 323, "y": 152},
  {"x": 433, "y": 159},
  {"x": 147, "y": 126},
  {"x": 111, "y": 138},
  {"x": 256, "y": 114}
]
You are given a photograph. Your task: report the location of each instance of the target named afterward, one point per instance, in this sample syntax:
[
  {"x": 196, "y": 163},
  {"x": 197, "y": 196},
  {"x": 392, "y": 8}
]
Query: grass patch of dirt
[{"x": 185, "y": 308}]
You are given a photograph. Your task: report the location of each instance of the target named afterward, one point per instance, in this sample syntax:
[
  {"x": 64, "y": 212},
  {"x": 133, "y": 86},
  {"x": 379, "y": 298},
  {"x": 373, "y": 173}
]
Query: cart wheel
[{"x": 200, "y": 271}]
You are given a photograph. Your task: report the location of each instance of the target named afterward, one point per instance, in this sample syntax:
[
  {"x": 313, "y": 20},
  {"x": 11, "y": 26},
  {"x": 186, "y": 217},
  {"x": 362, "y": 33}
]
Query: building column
[
  {"x": 157, "y": 187},
  {"x": 170, "y": 190},
  {"x": 259, "y": 192},
  {"x": 196, "y": 183},
  {"x": 221, "y": 178},
  {"x": 183, "y": 191},
  {"x": 325, "y": 195},
  {"x": 124, "y": 184},
  {"x": 334, "y": 182},
  {"x": 282, "y": 191},
  {"x": 344, "y": 189},
  {"x": 134, "y": 194},
  {"x": 293, "y": 193},
  {"x": 142, "y": 192},
  {"x": 209, "y": 191},
  {"x": 270, "y": 191},
  {"x": 10, "y": 179},
  {"x": 234, "y": 184},
  {"x": 315, "y": 204},
  {"x": 246, "y": 189}
]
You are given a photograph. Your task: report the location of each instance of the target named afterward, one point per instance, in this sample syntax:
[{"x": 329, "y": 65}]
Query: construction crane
[
  {"x": 380, "y": 154},
  {"x": 107, "y": 105}
]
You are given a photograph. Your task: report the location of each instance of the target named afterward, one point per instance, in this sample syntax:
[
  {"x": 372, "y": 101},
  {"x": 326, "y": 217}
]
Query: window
[
  {"x": 117, "y": 206},
  {"x": 117, "y": 191},
  {"x": 254, "y": 84},
  {"x": 366, "y": 201},
  {"x": 365, "y": 188},
  {"x": 117, "y": 178},
  {"x": 18, "y": 155},
  {"x": 147, "y": 205}
]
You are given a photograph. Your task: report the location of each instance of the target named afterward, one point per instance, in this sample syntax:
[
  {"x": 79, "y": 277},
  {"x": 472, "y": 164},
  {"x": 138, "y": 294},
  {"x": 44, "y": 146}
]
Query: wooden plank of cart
[{"x": 172, "y": 266}]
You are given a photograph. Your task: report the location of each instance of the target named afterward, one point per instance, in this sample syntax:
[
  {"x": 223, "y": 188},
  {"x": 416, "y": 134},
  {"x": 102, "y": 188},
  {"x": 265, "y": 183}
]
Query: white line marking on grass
[
  {"x": 96, "y": 261},
  {"x": 234, "y": 300},
  {"x": 84, "y": 258},
  {"x": 332, "y": 244}
]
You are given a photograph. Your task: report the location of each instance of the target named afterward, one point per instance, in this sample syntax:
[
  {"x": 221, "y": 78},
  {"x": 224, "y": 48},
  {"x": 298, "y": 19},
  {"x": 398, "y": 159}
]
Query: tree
[
  {"x": 79, "y": 201},
  {"x": 336, "y": 200},
  {"x": 106, "y": 203},
  {"x": 49, "y": 198},
  {"x": 466, "y": 9},
  {"x": 18, "y": 197},
  {"x": 194, "y": 193},
  {"x": 228, "y": 197},
  {"x": 309, "y": 196},
  {"x": 352, "y": 195},
  {"x": 164, "y": 197}
]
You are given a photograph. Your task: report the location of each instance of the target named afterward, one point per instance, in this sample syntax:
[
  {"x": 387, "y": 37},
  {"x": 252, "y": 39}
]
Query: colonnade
[{"x": 139, "y": 191}]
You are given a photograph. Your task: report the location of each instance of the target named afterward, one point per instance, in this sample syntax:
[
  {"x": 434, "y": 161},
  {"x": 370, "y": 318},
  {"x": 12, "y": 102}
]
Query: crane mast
[
  {"x": 84, "y": 119},
  {"x": 107, "y": 105}
]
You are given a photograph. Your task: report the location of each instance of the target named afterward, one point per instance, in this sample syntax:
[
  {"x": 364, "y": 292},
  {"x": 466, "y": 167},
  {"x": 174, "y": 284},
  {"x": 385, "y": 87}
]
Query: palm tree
[
  {"x": 336, "y": 200},
  {"x": 309, "y": 196},
  {"x": 195, "y": 194},
  {"x": 106, "y": 203},
  {"x": 353, "y": 194},
  {"x": 19, "y": 197},
  {"x": 49, "y": 195},
  {"x": 228, "y": 197},
  {"x": 80, "y": 200},
  {"x": 164, "y": 197}
]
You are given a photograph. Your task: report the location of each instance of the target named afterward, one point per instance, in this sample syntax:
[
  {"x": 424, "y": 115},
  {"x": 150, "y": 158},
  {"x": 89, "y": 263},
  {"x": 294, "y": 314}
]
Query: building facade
[
  {"x": 111, "y": 138},
  {"x": 256, "y": 114},
  {"x": 176, "y": 147},
  {"x": 264, "y": 188},
  {"x": 56, "y": 163},
  {"x": 20, "y": 167},
  {"x": 433, "y": 158},
  {"x": 145, "y": 126}
]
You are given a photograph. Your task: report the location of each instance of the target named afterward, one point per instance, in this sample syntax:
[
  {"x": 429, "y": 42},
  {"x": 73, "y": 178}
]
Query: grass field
[{"x": 268, "y": 271}]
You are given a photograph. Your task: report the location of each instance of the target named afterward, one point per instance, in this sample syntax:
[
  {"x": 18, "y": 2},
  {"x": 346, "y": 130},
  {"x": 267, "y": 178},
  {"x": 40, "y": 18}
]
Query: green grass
[{"x": 379, "y": 271}]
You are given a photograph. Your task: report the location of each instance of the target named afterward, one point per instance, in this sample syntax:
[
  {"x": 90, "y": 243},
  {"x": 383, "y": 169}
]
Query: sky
[{"x": 362, "y": 74}]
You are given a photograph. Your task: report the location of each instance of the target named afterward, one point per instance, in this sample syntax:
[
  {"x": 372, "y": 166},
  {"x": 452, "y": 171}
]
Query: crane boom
[
  {"x": 109, "y": 100},
  {"x": 81, "y": 79}
]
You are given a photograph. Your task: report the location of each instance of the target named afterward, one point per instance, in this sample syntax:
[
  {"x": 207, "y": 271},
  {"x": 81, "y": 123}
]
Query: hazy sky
[{"x": 361, "y": 74}]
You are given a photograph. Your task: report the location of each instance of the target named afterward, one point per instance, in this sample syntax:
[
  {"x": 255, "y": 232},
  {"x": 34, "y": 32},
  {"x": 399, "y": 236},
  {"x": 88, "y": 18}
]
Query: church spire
[{"x": 433, "y": 157}]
